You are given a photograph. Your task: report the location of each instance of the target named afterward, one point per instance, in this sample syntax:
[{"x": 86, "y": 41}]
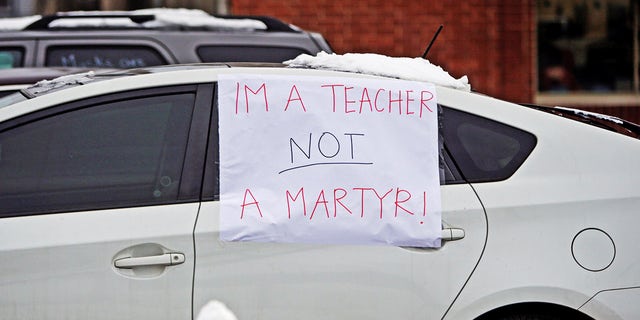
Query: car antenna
[{"x": 424, "y": 55}]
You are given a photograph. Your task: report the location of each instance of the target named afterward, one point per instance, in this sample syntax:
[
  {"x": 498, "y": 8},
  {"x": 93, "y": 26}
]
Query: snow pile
[
  {"x": 18, "y": 23},
  {"x": 197, "y": 18},
  {"x": 164, "y": 17},
  {"x": 93, "y": 23},
  {"x": 215, "y": 310},
  {"x": 593, "y": 114},
  {"x": 47, "y": 85},
  {"x": 417, "y": 69}
]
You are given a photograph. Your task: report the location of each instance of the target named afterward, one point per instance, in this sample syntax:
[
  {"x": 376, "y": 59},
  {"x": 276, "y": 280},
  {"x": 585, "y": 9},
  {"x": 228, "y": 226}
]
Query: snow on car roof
[
  {"x": 163, "y": 17},
  {"x": 49, "y": 85},
  {"x": 592, "y": 114},
  {"x": 17, "y": 23},
  {"x": 417, "y": 69}
]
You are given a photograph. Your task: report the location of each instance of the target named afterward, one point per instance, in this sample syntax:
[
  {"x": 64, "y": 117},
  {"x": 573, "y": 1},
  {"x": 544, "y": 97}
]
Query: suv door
[
  {"x": 310, "y": 281},
  {"x": 98, "y": 201}
]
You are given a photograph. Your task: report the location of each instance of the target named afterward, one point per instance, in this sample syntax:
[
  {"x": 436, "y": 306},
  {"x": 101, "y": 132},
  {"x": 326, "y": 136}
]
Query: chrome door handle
[
  {"x": 167, "y": 259},
  {"x": 452, "y": 234}
]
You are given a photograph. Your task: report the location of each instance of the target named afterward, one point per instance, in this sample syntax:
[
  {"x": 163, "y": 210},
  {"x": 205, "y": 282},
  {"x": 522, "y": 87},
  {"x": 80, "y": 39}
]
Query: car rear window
[
  {"x": 485, "y": 150},
  {"x": 103, "y": 56},
  {"x": 11, "y": 57},
  {"x": 247, "y": 53}
]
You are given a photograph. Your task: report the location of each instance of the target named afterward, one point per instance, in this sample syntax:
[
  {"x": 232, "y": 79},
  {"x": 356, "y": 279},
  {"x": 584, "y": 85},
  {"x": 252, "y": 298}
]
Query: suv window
[
  {"x": 484, "y": 150},
  {"x": 103, "y": 56},
  {"x": 247, "y": 53},
  {"x": 114, "y": 154},
  {"x": 11, "y": 57}
]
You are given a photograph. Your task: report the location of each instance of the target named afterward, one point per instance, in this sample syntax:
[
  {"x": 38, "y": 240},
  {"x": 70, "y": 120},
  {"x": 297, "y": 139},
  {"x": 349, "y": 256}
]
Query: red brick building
[{"x": 493, "y": 42}]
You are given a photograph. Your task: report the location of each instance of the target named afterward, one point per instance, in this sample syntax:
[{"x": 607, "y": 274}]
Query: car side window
[
  {"x": 11, "y": 57},
  {"x": 484, "y": 150},
  {"x": 221, "y": 53},
  {"x": 111, "y": 154},
  {"x": 103, "y": 56}
]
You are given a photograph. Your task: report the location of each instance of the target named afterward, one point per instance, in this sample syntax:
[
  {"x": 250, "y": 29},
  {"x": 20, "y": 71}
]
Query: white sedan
[{"x": 110, "y": 209}]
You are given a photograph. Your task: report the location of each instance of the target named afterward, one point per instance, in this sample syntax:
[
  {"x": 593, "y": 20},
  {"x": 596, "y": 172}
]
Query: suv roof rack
[
  {"x": 272, "y": 24},
  {"x": 44, "y": 21}
]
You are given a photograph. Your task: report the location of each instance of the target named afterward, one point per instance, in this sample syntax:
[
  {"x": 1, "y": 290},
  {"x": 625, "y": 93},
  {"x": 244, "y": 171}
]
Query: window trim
[
  {"x": 211, "y": 178},
  {"x": 194, "y": 163}
]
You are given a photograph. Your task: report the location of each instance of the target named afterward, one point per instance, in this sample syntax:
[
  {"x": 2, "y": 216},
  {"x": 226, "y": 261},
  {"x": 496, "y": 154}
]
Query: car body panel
[
  {"x": 598, "y": 163},
  {"x": 283, "y": 281},
  {"x": 61, "y": 266},
  {"x": 623, "y": 301}
]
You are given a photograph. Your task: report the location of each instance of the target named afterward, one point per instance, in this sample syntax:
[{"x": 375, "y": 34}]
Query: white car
[{"x": 110, "y": 209}]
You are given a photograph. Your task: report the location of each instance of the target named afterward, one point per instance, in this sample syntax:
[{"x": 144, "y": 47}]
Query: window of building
[{"x": 587, "y": 46}]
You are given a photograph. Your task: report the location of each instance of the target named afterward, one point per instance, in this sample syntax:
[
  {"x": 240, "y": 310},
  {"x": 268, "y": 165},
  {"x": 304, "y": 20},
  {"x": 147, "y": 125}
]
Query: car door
[
  {"x": 98, "y": 201},
  {"x": 311, "y": 281}
]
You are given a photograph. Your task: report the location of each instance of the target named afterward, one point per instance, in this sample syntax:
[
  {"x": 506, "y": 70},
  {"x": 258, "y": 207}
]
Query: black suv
[{"x": 152, "y": 37}]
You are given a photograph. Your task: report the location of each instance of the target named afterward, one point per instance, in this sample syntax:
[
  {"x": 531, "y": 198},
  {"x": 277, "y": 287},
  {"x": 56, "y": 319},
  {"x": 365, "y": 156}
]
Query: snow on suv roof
[
  {"x": 17, "y": 23},
  {"x": 417, "y": 69},
  {"x": 144, "y": 18}
]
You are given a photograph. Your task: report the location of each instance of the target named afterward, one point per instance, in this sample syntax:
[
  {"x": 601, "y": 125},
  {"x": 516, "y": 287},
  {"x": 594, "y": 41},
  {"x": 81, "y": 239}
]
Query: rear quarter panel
[{"x": 578, "y": 177}]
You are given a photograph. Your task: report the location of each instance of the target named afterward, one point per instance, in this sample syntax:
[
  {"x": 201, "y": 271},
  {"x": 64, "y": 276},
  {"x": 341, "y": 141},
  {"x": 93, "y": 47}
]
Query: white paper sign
[{"x": 328, "y": 160}]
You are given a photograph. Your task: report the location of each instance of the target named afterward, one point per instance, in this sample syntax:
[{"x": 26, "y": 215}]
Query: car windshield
[{"x": 595, "y": 119}]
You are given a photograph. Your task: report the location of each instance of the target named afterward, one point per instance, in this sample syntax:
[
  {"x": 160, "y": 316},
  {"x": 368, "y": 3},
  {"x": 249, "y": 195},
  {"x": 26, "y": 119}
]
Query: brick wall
[{"x": 490, "y": 41}]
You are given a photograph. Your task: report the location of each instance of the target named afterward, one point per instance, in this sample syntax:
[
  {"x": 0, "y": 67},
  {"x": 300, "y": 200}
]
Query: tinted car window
[
  {"x": 14, "y": 98},
  {"x": 247, "y": 53},
  {"x": 103, "y": 57},
  {"x": 484, "y": 150},
  {"x": 11, "y": 58},
  {"x": 113, "y": 154}
]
